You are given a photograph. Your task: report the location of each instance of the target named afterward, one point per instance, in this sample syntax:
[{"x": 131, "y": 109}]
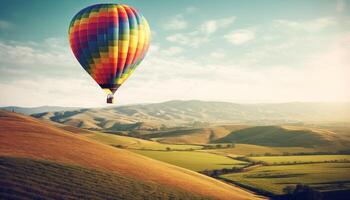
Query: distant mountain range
[
  {"x": 197, "y": 114},
  {"x": 40, "y": 109}
]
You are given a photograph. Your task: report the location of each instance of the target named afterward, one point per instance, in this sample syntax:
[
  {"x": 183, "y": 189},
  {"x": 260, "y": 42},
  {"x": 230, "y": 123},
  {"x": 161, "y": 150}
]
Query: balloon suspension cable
[{"x": 110, "y": 98}]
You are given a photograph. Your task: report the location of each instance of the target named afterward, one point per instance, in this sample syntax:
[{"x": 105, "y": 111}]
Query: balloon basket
[{"x": 110, "y": 98}]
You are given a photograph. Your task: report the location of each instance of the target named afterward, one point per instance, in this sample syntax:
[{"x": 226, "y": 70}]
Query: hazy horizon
[
  {"x": 240, "y": 52},
  {"x": 241, "y": 103}
]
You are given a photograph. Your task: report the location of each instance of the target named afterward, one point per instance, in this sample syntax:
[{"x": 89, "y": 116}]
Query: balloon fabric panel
[{"x": 109, "y": 41}]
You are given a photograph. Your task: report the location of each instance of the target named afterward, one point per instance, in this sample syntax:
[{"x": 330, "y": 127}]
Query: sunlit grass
[
  {"x": 302, "y": 159},
  {"x": 196, "y": 161},
  {"x": 23, "y": 178},
  {"x": 325, "y": 176},
  {"x": 136, "y": 143}
]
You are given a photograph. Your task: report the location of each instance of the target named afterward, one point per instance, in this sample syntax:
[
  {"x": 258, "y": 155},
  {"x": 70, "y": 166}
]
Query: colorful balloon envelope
[{"x": 109, "y": 41}]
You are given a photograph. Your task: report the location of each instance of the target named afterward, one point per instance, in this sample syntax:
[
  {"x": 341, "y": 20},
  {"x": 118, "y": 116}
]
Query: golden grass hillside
[
  {"x": 286, "y": 136},
  {"x": 22, "y": 136},
  {"x": 25, "y": 178},
  {"x": 196, "y": 135},
  {"x": 136, "y": 143}
]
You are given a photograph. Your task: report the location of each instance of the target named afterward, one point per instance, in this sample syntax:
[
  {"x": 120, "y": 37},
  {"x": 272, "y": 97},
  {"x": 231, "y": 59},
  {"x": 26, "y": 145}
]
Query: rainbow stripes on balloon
[{"x": 109, "y": 41}]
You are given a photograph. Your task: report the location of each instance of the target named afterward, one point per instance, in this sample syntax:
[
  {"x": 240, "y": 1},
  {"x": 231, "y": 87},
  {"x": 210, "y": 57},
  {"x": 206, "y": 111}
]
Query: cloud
[
  {"x": 191, "y": 9},
  {"x": 340, "y": 5},
  {"x": 173, "y": 51},
  {"x": 192, "y": 39},
  {"x": 176, "y": 23},
  {"x": 324, "y": 76},
  {"x": 313, "y": 25},
  {"x": 239, "y": 37},
  {"x": 52, "y": 91},
  {"x": 202, "y": 33},
  {"x": 5, "y": 25},
  {"x": 52, "y": 51},
  {"x": 212, "y": 26},
  {"x": 50, "y": 58},
  {"x": 154, "y": 48},
  {"x": 218, "y": 54},
  {"x": 46, "y": 72},
  {"x": 273, "y": 52}
]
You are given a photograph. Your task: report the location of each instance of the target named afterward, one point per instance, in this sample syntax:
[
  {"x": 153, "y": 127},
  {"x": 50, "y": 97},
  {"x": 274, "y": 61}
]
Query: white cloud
[
  {"x": 212, "y": 26},
  {"x": 239, "y": 37},
  {"x": 191, "y": 9},
  {"x": 179, "y": 22},
  {"x": 178, "y": 38},
  {"x": 17, "y": 53},
  {"x": 35, "y": 74},
  {"x": 192, "y": 39},
  {"x": 154, "y": 48},
  {"x": 28, "y": 61},
  {"x": 313, "y": 25},
  {"x": 176, "y": 23},
  {"x": 52, "y": 91},
  {"x": 5, "y": 24},
  {"x": 202, "y": 33},
  {"x": 217, "y": 54},
  {"x": 322, "y": 77},
  {"x": 340, "y": 5},
  {"x": 173, "y": 51},
  {"x": 269, "y": 52}
]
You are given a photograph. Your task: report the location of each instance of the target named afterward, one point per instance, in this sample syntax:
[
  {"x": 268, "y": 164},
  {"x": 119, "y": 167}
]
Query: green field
[
  {"x": 22, "y": 178},
  {"x": 196, "y": 161},
  {"x": 302, "y": 159},
  {"x": 136, "y": 143},
  {"x": 324, "y": 177}
]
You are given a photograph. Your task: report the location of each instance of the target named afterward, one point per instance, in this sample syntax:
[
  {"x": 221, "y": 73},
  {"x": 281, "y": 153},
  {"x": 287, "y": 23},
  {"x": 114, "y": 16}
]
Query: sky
[{"x": 236, "y": 51}]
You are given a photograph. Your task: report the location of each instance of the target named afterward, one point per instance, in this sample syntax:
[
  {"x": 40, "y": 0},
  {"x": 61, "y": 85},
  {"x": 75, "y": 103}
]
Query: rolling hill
[
  {"x": 136, "y": 143},
  {"x": 78, "y": 167},
  {"x": 24, "y": 178},
  {"x": 194, "y": 113},
  {"x": 308, "y": 138},
  {"x": 40, "y": 109},
  {"x": 285, "y": 136},
  {"x": 194, "y": 135}
]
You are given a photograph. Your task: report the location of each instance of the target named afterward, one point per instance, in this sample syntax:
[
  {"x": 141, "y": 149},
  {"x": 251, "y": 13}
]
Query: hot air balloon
[{"x": 109, "y": 41}]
